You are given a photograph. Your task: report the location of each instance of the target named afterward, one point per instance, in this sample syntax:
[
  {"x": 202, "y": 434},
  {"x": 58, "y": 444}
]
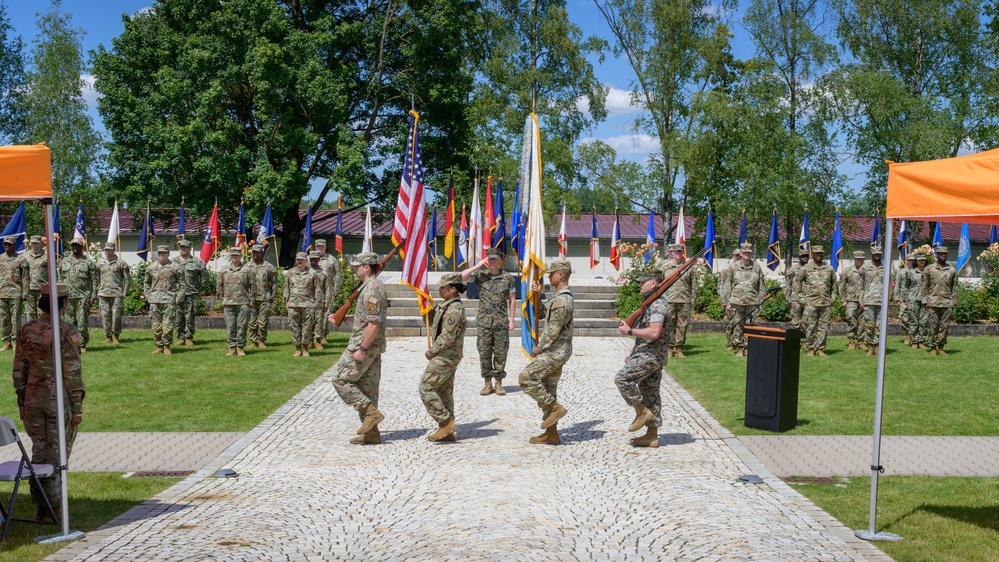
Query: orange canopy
[
  {"x": 25, "y": 172},
  {"x": 962, "y": 189}
]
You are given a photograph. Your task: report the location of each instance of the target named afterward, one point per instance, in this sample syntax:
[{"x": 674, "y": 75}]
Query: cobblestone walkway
[{"x": 303, "y": 493}]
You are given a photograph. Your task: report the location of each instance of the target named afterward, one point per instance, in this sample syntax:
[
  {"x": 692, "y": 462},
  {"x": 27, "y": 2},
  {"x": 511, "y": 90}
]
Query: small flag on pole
[
  {"x": 266, "y": 234},
  {"x": 114, "y": 229},
  {"x": 594, "y": 242},
  {"x": 366, "y": 243},
  {"x": 563, "y": 240},
  {"x": 805, "y": 239},
  {"x": 615, "y": 252},
  {"x": 307, "y": 233},
  {"x": 903, "y": 244},
  {"x": 56, "y": 229},
  {"x": 210, "y": 244},
  {"x": 710, "y": 240},
  {"x": 773, "y": 245},
  {"x": 241, "y": 225},
  {"x": 876, "y": 230},
  {"x": 963, "y": 248},
  {"x": 837, "y": 245},
  {"x": 449, "y": 220},
  {"x": 743, "y": 231},
  {"x": 181, "y": 227},
  {"x": 80, "y": 230},
  {"x": 463, "y": 240},
  {"x": 499, "y": 233},
  {"x": 17, "y": 226},
  {"x": 146, "y": 235},
  {"x": 650, "y": 238},
  {"x": 338, "y": 242},
  {"x": 681, "y": 233}
]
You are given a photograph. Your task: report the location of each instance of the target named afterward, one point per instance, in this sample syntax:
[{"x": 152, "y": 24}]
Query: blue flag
[
  {"x": 516, "y": 241},
  {"x": 241, "y": 225},
  {"x": 307, "y": 235},
  {"x": 432, "y": 239},
  {"x": 963, "y": 248},
  {"x": 902, "y": 243},
  {"x": 837, "y": 245},
  {"x": 876, "y": 231},
  {"x": 266, "y": 234},
  {"x": 80, "y": 230},
  {"x": 56, "y": 230},
  {"x": 146, "y": 235},
  {"x": 709, "y": 240},
  {"x": 994, "y": 235},
  {"x": 743, "y": 232},
  {"x": 937, "y": 239},
  {"x": 773, "y": 245},
  {"x": 499, "y": 234},
  {"x": 805, "y": 239},
  {"x": 16, "y": 227},
  {"x": 650, "y": 238},
  {"x": 181, "y": 228}
]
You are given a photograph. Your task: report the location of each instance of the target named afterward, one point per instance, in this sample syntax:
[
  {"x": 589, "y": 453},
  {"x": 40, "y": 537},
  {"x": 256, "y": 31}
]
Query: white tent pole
[{"x": 871, "y": 533}]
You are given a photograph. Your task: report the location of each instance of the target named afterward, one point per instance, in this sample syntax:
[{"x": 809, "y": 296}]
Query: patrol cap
[
  {"x": 736, "y": 251},
  {"x": 162, "y": 249},
  {"x": 560, "y": 265},
  {"x": 818, "y": 250},
  {"x": 942, "y": 250},
  {"x": 314, "y": 255},
  {"x": 452, "y": 279},
  {"x": 61, "y": 290},
  {"x": 258, "y": 248},
  {"x": 859, "y": 255},
  {"x": 365, "y": 258},
  {"x": 301, "y": 256},
  {"x": 10, "y": 240},
  {"x": 650, "y": 273},
  {"x": 919, "y": 255},
  {"x": 36, "y": 238},
  {"x": 802, "y": 251},
  {"x": 746, "y": 247},
  {"x": 674, "y": 248},
  {"x": 235, "y": 252},
  {"x": 494, "y": 253},
  {"x": 876, "y": 250},
  {"x": 184, "y": 243},
  {"x": 110, "y": 246},
  {"x": 320, "y": 242},
  {"x": 76, "y": 242}
]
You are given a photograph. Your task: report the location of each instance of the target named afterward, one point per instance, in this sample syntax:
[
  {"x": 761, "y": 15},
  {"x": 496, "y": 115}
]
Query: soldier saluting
[{"x": 493, "y": 319}]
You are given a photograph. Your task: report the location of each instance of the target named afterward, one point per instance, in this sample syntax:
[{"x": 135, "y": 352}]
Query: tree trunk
[{"x": 289, "y": 236}]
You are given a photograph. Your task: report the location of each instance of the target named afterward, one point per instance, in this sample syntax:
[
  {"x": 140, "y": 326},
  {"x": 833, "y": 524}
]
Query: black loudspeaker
[{"x": 772, "y": 378}]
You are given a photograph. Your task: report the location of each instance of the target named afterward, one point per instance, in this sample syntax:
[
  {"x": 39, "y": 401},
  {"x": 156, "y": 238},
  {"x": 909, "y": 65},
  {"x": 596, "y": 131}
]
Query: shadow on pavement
[
  {"x": 676, "y": 439},
  {"x": 475, "y": 430},
  {"x": 403, "y": 434},
  {"x": 582, "y": 431}
]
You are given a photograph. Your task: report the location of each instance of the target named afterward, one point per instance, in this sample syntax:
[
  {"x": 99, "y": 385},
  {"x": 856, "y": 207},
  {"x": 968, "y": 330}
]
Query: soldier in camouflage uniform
[
  {"x": 792, "y": 298},
  {"x": 938, "y": 290},
  {"x": 194, "y": 274},
  {"x": 493, "y": 319},
  {"x": 744, "y": 291},
  {"x": 903, "y": 286},
  {"x": 34, "y": 384},
  {"x": 447, "y": 325},
  {"x": 850, "y": 293},
  {"x": 725, "y": 278},
  {"x": 115, "y": 282},
  {"x": 814, "y": 286},
  {"x": 38, "y": 275},
  {"x": 322, "y": 302},
  {"x": 331, "y": 265},
  {"x": 359, "y": 370},
  {"x": 14, "y": 281},
  {"x": 78, "y": 272},
  {"x": 300, "y": 300},
  {"x": 640, "y": 378},
  {"x": 161, "y": 288},
  {"x": 918, "y": 317},
  {"x": 234, "y": 286},
  {"x": 265, "y": 284},
  {"x": 539, "y": 379},
  {"x": 680, "y": 297},
  {"x": 872, "y": 278}
]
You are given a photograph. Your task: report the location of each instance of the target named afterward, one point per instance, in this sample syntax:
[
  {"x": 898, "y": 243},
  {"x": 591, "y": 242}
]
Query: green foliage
[
  {"x": 349, "y": 282},
  {"x": 12, "y": 82},
  {"x": 629, "y": 297},
  {"x": 708, "y": 303},
  {"x": 279, "y": 309},
  {"x": 973, "y": 304},
  {"x": 135, "y": 306},
  {"x": 775, "y": 309}
]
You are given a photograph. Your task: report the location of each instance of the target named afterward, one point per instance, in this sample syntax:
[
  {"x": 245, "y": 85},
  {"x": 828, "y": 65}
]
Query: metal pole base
[
  {"x": 59, "y": 537},
  {"x": 877, "y": 536}
]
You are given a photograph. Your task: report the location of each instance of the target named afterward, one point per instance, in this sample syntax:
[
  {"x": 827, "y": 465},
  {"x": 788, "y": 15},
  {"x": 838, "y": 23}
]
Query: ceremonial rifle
[
  {"x": 342, "y": 312},
  {"x": 661, "y": 288}
]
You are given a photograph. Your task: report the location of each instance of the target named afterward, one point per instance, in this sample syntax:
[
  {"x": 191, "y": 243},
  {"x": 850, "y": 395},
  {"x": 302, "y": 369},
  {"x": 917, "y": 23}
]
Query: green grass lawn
[
  {"x": 954, "y": 395},
  {"x": 195, "y": 389},
  {"x": 94, "y": 499},
  {"x": 939, "y": 518}
]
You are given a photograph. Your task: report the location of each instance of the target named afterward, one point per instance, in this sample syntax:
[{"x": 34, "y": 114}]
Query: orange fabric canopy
[
  {"x": 25, "y": 172},
  {"x": 962, "y": 189}
]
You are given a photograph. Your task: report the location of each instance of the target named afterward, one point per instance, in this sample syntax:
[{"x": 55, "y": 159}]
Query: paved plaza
[{"x": 303, "y": 493}]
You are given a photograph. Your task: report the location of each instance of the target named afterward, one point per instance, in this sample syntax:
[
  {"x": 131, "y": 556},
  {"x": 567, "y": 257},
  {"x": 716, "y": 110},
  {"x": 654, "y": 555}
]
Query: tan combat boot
[
  {"x": 298, "y": 351},
  {"x": 498, "y": 387},
  {"x": 730, "y": 348},
  {"x": 453, "y": 437},
  {"x": 372, "y": 437},
  {"x": 870, "y": 350},
  {"x": 811, "y": 352},
  {"x": 556, "y": 414},
  {"x": 232, "y": 351},
  {"x": 323, "y": 341},
  {"x": 116, "y": 339},
  {"x": 851, "y": 345},
  {"x": 740, "y": 352},
  {"x": 914, "y": 346},
  {"x": 940, "y": 351},
  {"x": 189, "y": 342},
  {"x": 166, "y": 350},
  {"x": 650, "y": 439},
  {"x": 643, "y": 416},
  {"x": 261, "y": 344},
  {"x": 820, "y": 353},
  {"x": 158, "y": 350},
  {"x": 907, "y": 341},
  {"x": 83, "y": 350},
  {"x": 488, "y": 389},
  {"x": 933, "y": 351},
  {"x": 318, "y": 345},
  {"x": 372, "y": 417},
  {"x": 679, "y": 352},
  {"x": 108, "y": 340},
  {"x": 445, "y": 429},
  {"x": 240, "y": 352},
  {"x": 549, "y": 437},
  {"x": 305, "y": 351},
  {"x": 6, "y": 346}
]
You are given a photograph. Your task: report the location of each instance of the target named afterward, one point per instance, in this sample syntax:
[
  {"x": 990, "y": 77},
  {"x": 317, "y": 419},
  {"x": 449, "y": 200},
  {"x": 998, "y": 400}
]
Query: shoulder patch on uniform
[
  {"x": 450, "y": 321},
  {"x": 370, "y": 307},
  {"x": 76, "y": 337}
]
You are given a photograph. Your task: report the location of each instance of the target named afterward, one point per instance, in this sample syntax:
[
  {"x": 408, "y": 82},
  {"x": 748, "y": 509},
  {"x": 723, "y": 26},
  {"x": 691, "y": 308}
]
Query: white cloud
[
  {"x": 637, "y": 143},
  {"x": 141, "y": 11},
  {"x": 90, "y": 95},
  {"x": 618, "y": 103}
]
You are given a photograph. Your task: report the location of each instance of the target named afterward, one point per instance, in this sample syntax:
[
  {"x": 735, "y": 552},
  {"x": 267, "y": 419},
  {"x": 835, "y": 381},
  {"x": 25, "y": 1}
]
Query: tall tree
[{"x": 12, "y": 81}]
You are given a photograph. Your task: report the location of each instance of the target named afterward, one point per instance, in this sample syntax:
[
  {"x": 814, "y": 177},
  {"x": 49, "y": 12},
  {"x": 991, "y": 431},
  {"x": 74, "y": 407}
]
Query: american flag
[{"x": 411, "y": 218}]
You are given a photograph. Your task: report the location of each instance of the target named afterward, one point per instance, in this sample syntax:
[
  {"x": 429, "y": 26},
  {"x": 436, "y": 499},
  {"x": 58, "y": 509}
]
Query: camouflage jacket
[
  {"x": 299, "y": 288},
  {"x": 815, "y": 285},
  {"x": 850, "y": 287},
  {"x": 332, "y": 266},
  {"x": 14, "y": 276},
  {"x": 322, "y": 286},
  {"x": 914, "y": 278},
  {"x": 938, "y": 286},
  {"x": 657, "y": 312},
  {"x": 38, "y": 269},
  {"x": 789, "y": 277},
  {"x": 193, "y": 275},
  {"x": 556, "y": 336},
  {"x": 80, "y": 274},
  {"x": 234, "y": 285},
  {"x": 264, "y": 280},
  {"x": 724, "y": 282},
  {"x": 116, "y": 278},
  {"x": 447, "y": 325},
  {"x": 494, "y": 297},
  {"x": 371, "y": 306},
  {"x": 34, "y": 369},
  {"x": 682, "y": 291},
  {"x": 161, "y": 284},
  {"x": 746, "y": 286},
  {"x": 871, "y": 281}
]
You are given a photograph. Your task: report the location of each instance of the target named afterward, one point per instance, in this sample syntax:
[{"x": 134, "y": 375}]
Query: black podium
[{"x": 772, "y": 378}]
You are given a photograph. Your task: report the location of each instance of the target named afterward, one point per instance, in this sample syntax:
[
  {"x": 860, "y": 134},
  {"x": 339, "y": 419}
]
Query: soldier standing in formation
[
  {"x": 264, "y": 287},
  {"x": 871, "y": 280},
  {"x": 814, "y": 286},
  {"x": 743, "y": 291},
  {"x": 14, "y": 274},
  {"x": 79, "y": 273},
  {"x": 234, "y": 287},
  {"x": 193, "y": 276},
  {"x": 161, "y": 288},
  {"x": 918, "y": 317},
  {"x": 792, "y": 297},
  {"x": 300, "y": 300},
  {"x": 540, "y": 377},
  {"x": 331, "y": 265},
  {"x": 115, "y": 281},
  {"x": 359, "y": 370},
  {"x": 680, "y": 297},
  {"x": 903, "y": 286},
  {"x": 938, "y": 289},
  {"x": 725, "y": 277},
  {"x": 38, "y": 275},
  {"x": 640, "y": 378},
  {"x": 321, "y": 298},
  {"x": 850, "y": 294},
  {"x": 34, "y": 385},
  {"x": 493, "y": 319},
  {"x": 447, "y": 326}
]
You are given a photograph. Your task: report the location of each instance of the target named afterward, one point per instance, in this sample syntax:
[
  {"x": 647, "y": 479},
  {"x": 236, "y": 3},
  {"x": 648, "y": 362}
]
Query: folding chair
[{"x": 14, "y": 471}]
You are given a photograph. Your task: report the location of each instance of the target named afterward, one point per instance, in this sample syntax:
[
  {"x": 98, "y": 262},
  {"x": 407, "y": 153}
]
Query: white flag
[
  {"x": 366, "y": 243},
  {"x": 475, "y": 227},
  {"x": 681, "y": 234},
  {"x": 114, "y": 228}
]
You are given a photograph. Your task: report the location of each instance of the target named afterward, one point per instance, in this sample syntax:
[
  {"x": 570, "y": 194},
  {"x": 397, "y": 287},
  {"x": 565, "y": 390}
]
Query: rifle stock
[
  {"x": 662, "y": 287},
  {"x": 344, "y": 309}
]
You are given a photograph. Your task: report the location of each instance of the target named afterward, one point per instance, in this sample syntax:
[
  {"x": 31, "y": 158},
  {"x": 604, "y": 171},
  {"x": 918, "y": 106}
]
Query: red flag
[
  {"x": 210, "y": 244},
  {"x": 449, "y": 223},
  {"x": 490, "y": 222},
  {"x": 338, "y": 243}
]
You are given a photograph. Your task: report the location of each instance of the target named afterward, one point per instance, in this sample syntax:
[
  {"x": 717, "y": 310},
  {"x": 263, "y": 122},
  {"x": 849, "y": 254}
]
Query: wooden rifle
[
  {"x": 662, "y": 287},
  {"x": 342, "y": 312}
]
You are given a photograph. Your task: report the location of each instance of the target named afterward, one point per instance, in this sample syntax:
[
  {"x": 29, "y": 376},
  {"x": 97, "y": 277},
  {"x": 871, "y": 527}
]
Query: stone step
[
  {"x": 416, "y": 321},
  {"x": 392, "y": 332},
  {"x": 414, "y": 311},
  {"x": 577, "y": 292},
  {"x": 408, "y": 301}
]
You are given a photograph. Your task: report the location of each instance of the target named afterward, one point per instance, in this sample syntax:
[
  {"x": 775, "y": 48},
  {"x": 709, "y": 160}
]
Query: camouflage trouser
[
  {"x": 738, "y": 312},
  {"x": 493, "y": 344},
  {"x": 30, "y": 305},
  {"x": 539, "y": 380},
  {"x": 43, "y": 430},
  {"x": 796, "y": 312},
  {"x": 187, "y": 310},
  {"x": 639, "y": 382},
  {"x": 918, "y": 320},
  {"x": 678, "y": 320},
  {"x": 904, "y": 317},
  {"x": 112, "y": 309},
  {"x": 816, "y": 321},
  {"x": 872, "y": 323},
  {"x": 938, "y": 320},
  {"x": 854, "y": 318},
  {"x": 319, "y": 323},
  {"x": 357, "y": 383},
  {"x": 729, "y": 321},
  {"x": 300, "y": 324},
  {"x": 437, "y": 388},
  {"x": 259, "y": 315},
  {"x": 236, "y": 318},
  {"x": 162, "y": 317},
  {"x": 77, "y": 313}
]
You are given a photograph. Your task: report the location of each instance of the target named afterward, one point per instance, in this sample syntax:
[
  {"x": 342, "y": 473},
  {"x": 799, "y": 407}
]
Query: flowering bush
[{"x": 630, "y": 297}]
